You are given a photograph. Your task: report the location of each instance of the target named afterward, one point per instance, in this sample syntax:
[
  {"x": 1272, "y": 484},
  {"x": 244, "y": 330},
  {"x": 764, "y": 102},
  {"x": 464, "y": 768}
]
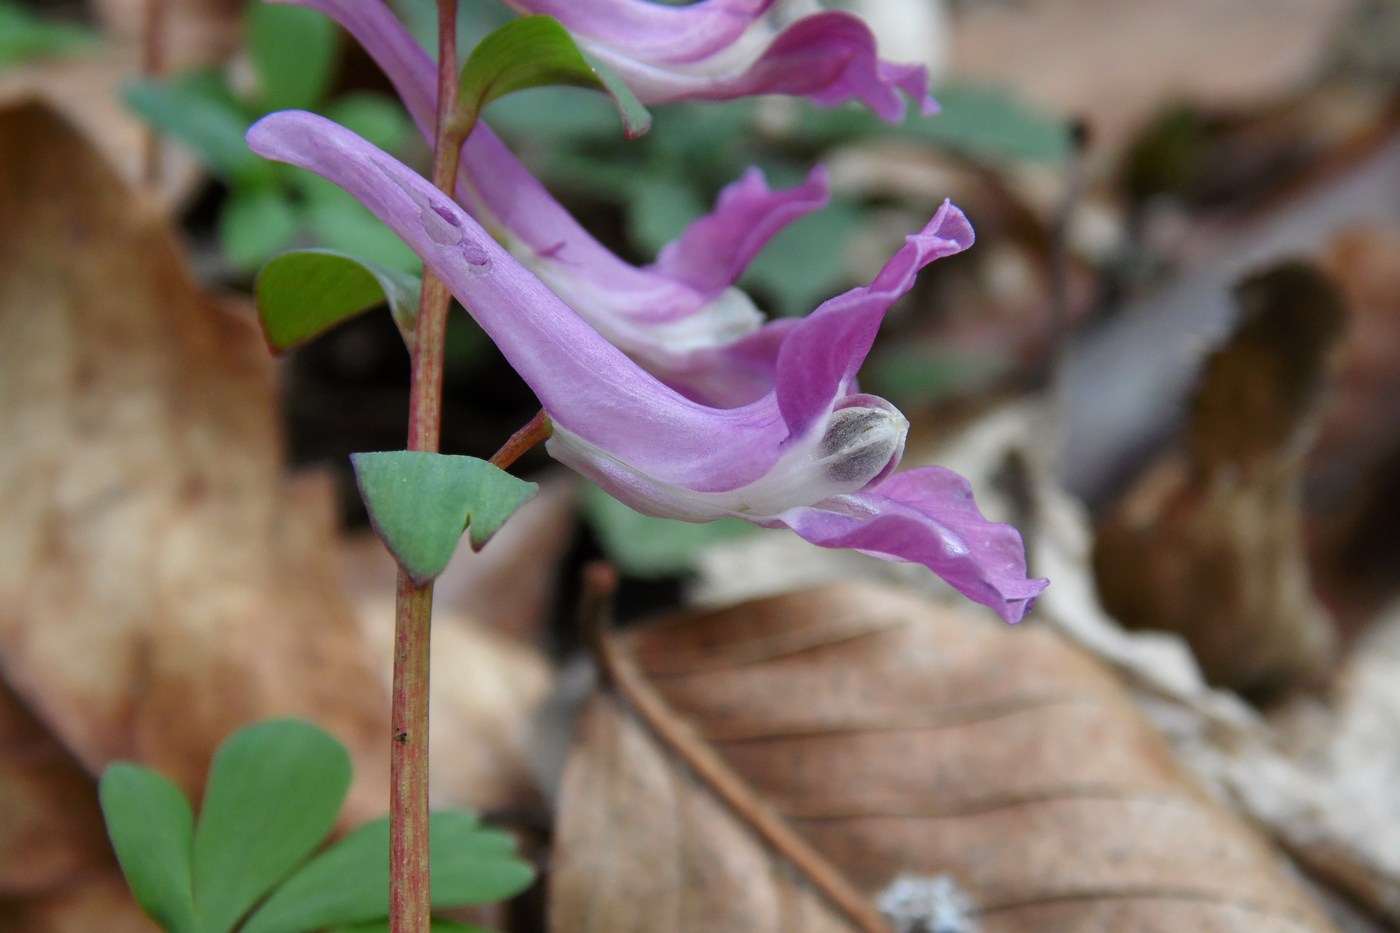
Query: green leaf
[
  {"x": 644, "y": 546},
  {"x": 197, "y": 110},
  {"x": 420, "y": 503},
  {"x": 293, "y": 51},
  {"x": 255, "y": 223},
  {"x": 302, "y": 294},
  {"x": 992, "y": 125},
  {"x": 348, "y": 884},
  {"x": 24, "y": 36},
  {"x": 986, "y": 124},
  {"x": 915, "y": 375},
  {"x": 152, "y": 830},
  {"x": 535, "y": 51},
  {"x": 786, "y": 269},
  {"x": 273, "y": 794},
  {"x": 660, "y": 205}
]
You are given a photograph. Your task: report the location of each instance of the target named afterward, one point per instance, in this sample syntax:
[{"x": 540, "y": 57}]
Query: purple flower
[
  {"x": 812, "y": 454},
  {"x": 720, "y": 49},
  {"x": 681, "y": 318}
]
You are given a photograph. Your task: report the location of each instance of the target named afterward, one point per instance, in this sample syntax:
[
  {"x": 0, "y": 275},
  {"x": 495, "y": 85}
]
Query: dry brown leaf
[
  {"x": 1115, "y": 63},
  {"x": 85, "y": 90},
  {"x": 57, "y": 870},
  {"x": 1351, "y": 478},
  {"x": 50, "y": 826},
  {"x": 1208, "y": 544},
  {"x": 94, "y": 902},
  {"x": 1338, "y": 808},
  {"x": 192, "y": 32},
  {"x": 160, "y": 583},
  {"x": 898, "y": 738}
]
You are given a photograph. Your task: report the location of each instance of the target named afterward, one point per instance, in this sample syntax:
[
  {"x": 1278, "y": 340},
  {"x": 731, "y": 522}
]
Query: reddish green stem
[{"x": 410, "y": 904}]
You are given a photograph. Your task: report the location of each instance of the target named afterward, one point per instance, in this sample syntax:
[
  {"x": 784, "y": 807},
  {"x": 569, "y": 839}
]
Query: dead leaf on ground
[
  {"x": 57, "y": 870},
  {"x": 161, "y": 583},
  {"x": 898, "y": 738},
  {"x": 1117, "y": 63},
  {"x": 93, "y": 902},
  {"x": 192, "y": 33},
  {"x": 85, "y": 89},
  {"x": 50, "y": 825},
  {"x": 1208, "y": 543},
  {"x": 1338, "y": 808},
  {"x": 1351, "y": 474}
]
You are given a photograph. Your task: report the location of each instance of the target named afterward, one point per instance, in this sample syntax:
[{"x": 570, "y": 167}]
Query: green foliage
[
  {"x": 24, "y": 36},
  {"x": 979, "y": 123},
  {"x": 348, "y": 884},
  {"x": 197, "y": 109},
  {"x": 273, "y": 794},
  {"x": 536, "y": 51},
  {"x": 644, "y": 546},
  {"x": 152, "y": 830},
  {"x": 377, "y": 118},
  {"x": 272, "y": 797},
  {"x": 301, "y": 295},
  {"x": 255, "y": 222},
  {"x": 784, "y": 270},
  {"x": 662, "y": 181},
  {"x": 915, "y": 375},
  {"x": 294, "y": 52},
  {"x": 420, "y": 503}
]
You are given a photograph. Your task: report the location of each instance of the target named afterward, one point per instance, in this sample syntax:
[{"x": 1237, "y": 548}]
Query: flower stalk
[{"x": 410, "y": 898}]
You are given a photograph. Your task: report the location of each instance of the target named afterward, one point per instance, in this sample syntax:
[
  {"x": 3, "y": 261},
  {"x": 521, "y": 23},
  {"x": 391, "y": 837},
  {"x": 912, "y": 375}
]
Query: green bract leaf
[
  {"x": 420, "y": 503},
  {"x": 293, "y": 52},
  {"x": 24, "y": 36},
  {"x": 197, "y": 110},
  {"x": 536, "y": 51},
  {"x": 348, "y": 884},
  {"x": 303, "y": 294},
  {"x": 273, "y": 794},
  {"x": 152, "y": 830}
]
